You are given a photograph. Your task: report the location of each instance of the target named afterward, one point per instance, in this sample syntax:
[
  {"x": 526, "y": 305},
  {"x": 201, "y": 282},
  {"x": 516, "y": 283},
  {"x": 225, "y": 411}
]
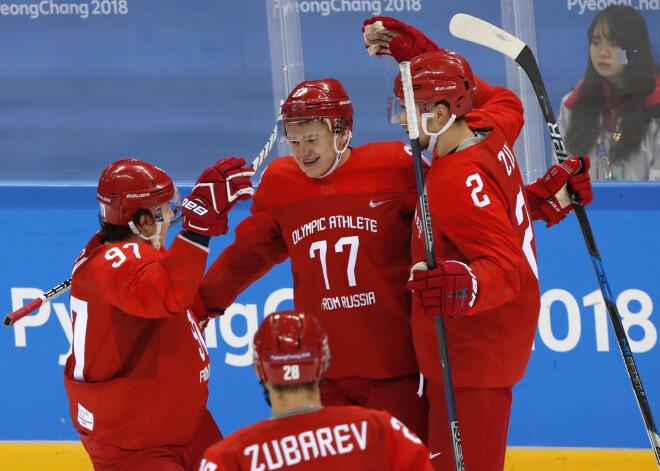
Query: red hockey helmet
[
  {"x": 128, "y": 185},
  {"x": 290, "y": 348},
  {"x": 318, "y": 99},
  {"x": 440, "y": 76}
]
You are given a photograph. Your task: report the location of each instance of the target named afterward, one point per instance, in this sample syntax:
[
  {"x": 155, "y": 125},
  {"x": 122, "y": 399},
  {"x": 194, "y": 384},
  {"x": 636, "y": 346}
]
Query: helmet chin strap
[
  {"x": 338, "y": 154},
  {"x": 154, "y": 239},
  {"x": 434, "y": 135}
]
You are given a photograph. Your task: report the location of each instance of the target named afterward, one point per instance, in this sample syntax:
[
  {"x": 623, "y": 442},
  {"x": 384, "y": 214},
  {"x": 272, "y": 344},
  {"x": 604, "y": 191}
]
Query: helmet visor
[
  {"x": 175, "y": 206},
  {"x": 282, "y": 126},
  {"x": 395, "y": 110}
]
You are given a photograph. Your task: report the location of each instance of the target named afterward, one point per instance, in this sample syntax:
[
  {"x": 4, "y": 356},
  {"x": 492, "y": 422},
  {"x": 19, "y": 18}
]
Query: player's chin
[
  {"x": 312, "y": 174},
  {"x": 311, "y": 168}
]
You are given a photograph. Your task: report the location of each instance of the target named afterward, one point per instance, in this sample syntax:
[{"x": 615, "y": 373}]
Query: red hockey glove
[
  {"x": 579, "y": 185},
  {"x": 448, "y": 290},
  {"x": 386, "y": 36},
  {"x": 553, "y": 202},
  {"x": 216, "y": 191}
]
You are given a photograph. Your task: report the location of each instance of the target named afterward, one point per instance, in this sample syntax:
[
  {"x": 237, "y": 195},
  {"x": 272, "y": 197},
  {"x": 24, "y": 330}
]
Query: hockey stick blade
[{"x": 480, "y": 32}]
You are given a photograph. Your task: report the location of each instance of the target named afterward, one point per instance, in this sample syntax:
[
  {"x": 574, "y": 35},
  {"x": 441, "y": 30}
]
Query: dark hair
[
  {"x": 628, "y": 30},
  {"x": 116, "y": 233},
  {"x": 448, "y": 106},
  {"x": 310, "y": 386}
]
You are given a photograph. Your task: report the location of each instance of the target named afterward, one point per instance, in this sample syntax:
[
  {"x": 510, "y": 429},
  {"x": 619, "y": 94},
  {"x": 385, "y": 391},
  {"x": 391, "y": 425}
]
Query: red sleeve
[
  {"x": 227, "y": 454},
  {"x": 212, "y": 462},
  {"x": 405, "y": 452},
  {"x": 534, "y": 203},
  {"x": 496, "y": 106},
  {"x": 258, "y": 246},
  {"x": 499, "y": 103},
  {"x": 137, "y": 279}
]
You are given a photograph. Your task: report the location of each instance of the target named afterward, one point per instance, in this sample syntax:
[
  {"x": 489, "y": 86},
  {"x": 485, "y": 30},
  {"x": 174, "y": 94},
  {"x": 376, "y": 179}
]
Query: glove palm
[
  {"x": 386, "y": 36},
  {"x": 216, "y": 191}
]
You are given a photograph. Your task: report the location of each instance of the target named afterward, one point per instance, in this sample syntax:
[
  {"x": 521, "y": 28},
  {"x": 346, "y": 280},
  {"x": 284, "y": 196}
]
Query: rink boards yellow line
[{"x": 71, "y": 456}]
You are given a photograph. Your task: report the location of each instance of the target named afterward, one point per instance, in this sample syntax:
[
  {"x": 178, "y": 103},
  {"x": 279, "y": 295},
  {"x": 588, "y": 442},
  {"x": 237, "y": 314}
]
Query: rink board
[
  {"x": 72, "y": 457},
  {"x": 576, "y": 393}
]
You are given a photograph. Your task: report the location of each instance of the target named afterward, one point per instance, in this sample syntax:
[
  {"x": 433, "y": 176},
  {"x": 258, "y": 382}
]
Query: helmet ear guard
[{"x": 290, "y": 348}]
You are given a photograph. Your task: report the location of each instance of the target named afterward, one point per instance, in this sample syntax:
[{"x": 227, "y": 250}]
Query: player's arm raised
[
  {"x": 550, "y": 197},
  {"x": 174, "y": 278},
  {"x": 258, "y": 246}
]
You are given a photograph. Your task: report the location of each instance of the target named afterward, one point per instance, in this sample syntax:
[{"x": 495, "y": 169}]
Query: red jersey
[
  {"x": 480, "y": 217},
  {"x": 331, "y": 438},
  {"x": 348, "y": 236},
  {"x": 138, "y": 374}
]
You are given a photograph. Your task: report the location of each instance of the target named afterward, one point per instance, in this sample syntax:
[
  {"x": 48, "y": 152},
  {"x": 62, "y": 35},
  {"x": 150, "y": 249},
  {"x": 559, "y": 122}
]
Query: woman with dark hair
[{"x": 613, "y": 115}]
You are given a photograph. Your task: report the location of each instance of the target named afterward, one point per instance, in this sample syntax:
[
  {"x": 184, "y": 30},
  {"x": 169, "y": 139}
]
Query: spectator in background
[
  {"x": 291, "y": 356},
  {"x": 613, "y": 115}
]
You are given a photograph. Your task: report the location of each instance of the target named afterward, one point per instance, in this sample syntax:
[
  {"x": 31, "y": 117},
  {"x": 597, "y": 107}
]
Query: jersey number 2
[{"x": 521, "y": 215}]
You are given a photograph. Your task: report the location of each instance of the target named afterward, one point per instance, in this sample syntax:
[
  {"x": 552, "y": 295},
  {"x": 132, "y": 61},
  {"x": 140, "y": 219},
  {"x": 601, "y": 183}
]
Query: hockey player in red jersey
[
  {"x": 486, "y": 280},
  {"x": 343, "y": 215},
  {"x": 137, "y": 380},
  {"x": 291, "y": 355}
]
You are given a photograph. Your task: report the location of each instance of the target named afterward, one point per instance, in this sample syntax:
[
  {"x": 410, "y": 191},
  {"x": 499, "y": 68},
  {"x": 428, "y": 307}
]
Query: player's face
[
  {"x": 424, "y": 138},
  {"x": 312, "y": 146},
  {"x": 602, "y": 51}
]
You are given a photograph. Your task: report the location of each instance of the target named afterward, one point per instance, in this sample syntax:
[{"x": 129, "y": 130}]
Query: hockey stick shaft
[
  {"x": 261, "y": 157},
  {"x": 12, "y": 318},
  {"x": 481, "y": 32},
  {"x": 427, "y": 230}
]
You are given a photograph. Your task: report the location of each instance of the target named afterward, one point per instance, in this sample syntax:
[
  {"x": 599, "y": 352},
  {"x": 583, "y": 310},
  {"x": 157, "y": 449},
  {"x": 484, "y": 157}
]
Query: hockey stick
[
  {"x": 413, "y": 133},
  {"x": 12, "y": 318},
  {"x": 261, "y": 156},
  {"x": 480, "y": 32}
]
